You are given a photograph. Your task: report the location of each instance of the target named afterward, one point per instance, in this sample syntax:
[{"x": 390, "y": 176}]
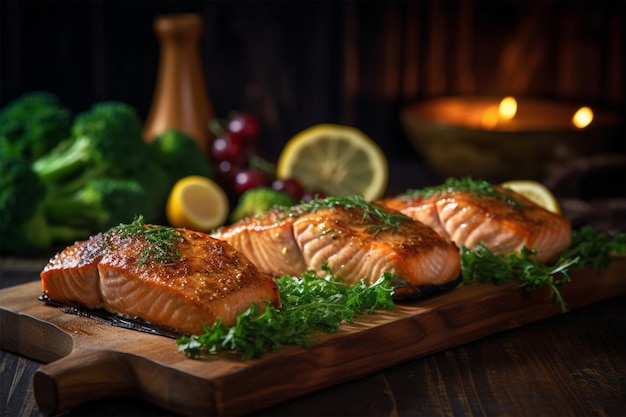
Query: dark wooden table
[{"x": 570, "y": 365}]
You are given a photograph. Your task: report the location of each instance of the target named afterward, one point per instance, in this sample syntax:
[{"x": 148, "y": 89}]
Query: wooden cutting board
[{"x": 87, "y": 360}]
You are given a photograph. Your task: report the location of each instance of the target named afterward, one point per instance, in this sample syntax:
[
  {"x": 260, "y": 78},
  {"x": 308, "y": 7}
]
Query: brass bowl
[{"x": 456, "y": 139}]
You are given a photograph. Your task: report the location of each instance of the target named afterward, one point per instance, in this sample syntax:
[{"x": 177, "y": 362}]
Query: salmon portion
[
  {"x": 353, "y": 246},
  {"x": 504, "y": 225},
  {"x": 208, "y": 279}
]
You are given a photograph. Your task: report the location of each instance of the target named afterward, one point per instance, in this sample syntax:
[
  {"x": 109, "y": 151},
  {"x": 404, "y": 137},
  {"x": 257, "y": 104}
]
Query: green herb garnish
[
  {"x": 313, "y": 304},
  {"x": 476, "y": 187},
  {"x": 162, "y": 241},
  {"x": 390, "y": 220},
  {"x": 310, "y": 304},
  {"x": 589, "y": 248}
]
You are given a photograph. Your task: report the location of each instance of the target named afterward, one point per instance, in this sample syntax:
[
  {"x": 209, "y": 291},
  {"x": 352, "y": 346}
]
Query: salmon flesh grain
[
  {"x": 206, "y": 279},
  {"x": 504, "y": 222},
  {"x": 351, "y": 243}
]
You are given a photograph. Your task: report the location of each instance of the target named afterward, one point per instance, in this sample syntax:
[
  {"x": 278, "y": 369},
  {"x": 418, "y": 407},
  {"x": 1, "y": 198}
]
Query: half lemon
[
  {"x": 535, "y": 192},
  {"x": 197, "y": 203},
  {"x": 337, "y": 160}
]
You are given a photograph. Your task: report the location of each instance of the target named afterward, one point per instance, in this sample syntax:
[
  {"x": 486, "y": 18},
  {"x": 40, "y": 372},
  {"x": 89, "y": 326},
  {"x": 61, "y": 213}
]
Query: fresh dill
[
  {"x": 388, "y": 219},
  {"x": 476, "y": 187},
  {"x": 162, "y": 241},
  {"x": 309, "y": 304}
]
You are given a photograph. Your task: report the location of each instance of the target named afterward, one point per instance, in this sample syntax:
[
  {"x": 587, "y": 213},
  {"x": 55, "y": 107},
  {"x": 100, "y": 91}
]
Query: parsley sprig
[
  {"x": 310, "y": 305},
  {"x": 313, "y": 304},
  {"x": 589, "y": 248}
]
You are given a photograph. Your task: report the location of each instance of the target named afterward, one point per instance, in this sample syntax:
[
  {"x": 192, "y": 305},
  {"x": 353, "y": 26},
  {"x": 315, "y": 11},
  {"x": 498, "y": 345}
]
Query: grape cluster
[{"x": 239, "y": 164}]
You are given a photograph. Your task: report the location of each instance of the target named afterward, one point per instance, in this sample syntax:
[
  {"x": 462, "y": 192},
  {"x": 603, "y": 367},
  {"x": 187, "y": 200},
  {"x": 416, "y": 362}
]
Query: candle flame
[
  {"x": 582, "y": 118},
  {"x": 489, "y": 118},
  {"x": 507, "y": 108},
  {"x": 503, "y": 112}
]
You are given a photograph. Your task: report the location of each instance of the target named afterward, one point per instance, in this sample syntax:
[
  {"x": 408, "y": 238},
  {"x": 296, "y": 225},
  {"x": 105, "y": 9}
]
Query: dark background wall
[{"x": 299, "y": 63}]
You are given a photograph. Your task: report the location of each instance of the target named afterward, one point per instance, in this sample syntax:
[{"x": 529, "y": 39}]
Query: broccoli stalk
[
  {"x": 105, "y": 141},
  {"x": 24, "y": 229},
  {"x": 100, "y": 205}
]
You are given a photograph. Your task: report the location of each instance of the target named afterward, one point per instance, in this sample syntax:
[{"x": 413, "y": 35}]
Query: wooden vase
[{"x": 181, "y": 100}]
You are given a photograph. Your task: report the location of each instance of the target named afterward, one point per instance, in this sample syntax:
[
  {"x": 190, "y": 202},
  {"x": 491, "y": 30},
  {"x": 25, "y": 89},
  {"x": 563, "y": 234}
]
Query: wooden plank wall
[{"x": 299, "y": 63}]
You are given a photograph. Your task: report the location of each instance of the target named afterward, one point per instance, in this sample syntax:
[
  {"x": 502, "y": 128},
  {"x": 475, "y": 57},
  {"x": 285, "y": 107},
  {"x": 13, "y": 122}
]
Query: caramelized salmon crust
[
  {"x": 208, "y": 279},
  {"x": 469, "y": 220},
  {"x": 352, "y": 245}
]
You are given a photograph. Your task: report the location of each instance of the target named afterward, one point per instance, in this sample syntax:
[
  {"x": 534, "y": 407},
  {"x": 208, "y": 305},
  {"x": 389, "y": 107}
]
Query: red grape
[
  {"x": 226, "y": 148},
  {"x": 245, "y": 126},
  {"x": 226, "y": 172},
  {"x": 250, "y": 178},
  {"x": 290, "y": 186}
]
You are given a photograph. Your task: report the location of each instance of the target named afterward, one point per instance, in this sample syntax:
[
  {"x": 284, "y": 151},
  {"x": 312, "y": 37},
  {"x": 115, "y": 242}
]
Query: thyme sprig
[
  {"x": 388, "y": 219},
  {"x": 162, "y": 241},
  {"x": 310, "y": 305},
  {"x": 476, "y": 187}
]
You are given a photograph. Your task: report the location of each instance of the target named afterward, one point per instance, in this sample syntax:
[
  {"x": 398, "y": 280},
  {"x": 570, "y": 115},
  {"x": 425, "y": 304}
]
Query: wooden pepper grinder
[{"x": 180, "y": 99}]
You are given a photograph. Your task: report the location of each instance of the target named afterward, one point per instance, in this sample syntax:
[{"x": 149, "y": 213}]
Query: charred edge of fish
[
  {"x": 404, "y": 291},
  {"x": 112, "y": 319}
]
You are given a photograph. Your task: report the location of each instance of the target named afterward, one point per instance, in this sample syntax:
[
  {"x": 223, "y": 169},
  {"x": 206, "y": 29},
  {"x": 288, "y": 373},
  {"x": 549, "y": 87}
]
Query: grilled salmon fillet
[
  {"x": 206, "y": 279},
  {"x": 354, "y": 245},
  {"x": 503, "y": 221}
]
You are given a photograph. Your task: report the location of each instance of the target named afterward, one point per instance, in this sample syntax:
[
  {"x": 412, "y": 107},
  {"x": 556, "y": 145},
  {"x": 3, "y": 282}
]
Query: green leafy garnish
[
  {"x": 162, "y": 240},
  {"x": 313, "y": 304},
  {"x": 390, "y": 220},
  {"x": 589, "y": 248},
  {"x": 476, "y": 187},
  {"x": 310, "y": 305}
]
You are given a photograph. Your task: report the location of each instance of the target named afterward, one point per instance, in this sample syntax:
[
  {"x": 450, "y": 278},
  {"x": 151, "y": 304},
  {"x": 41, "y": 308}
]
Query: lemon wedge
[
  {"x": 337, "y": 160},
  {"x": 535, "y": 192},
  {"x": 197, "y": 203}
]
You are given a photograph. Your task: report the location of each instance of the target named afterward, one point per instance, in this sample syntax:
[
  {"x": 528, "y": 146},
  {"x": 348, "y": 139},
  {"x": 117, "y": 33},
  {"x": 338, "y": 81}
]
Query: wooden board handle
[
  {"x": 82, "y": 377},
  {"x": 90, "y": 374}
]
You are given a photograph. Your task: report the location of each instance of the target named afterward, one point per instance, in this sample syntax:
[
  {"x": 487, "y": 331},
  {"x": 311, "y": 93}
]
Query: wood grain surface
[{"x": 87, "y": 361}]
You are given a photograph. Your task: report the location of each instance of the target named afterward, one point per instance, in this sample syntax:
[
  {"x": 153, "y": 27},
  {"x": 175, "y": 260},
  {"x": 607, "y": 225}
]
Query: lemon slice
[
  {"x": 336, "y": 159},
  {"x": 535, "y": 192},
  {"x": 197, "y": 203}
]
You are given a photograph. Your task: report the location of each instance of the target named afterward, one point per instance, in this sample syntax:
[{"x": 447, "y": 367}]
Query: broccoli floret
[
  {"x": 88, "y": 176},
  {"x": 258, "y": 200},
  {"x": 100, "y": 205},
  {"x": 105, "y": 142},
  {"x": 24, "y": 229},
  {"x": 179, "y": 155},
  {"x": 33, "y": 124}
]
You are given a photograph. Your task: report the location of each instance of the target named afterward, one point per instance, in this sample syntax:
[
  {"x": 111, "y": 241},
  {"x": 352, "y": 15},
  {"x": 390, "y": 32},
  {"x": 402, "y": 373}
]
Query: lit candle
[{"x": 499, "y": 138}]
